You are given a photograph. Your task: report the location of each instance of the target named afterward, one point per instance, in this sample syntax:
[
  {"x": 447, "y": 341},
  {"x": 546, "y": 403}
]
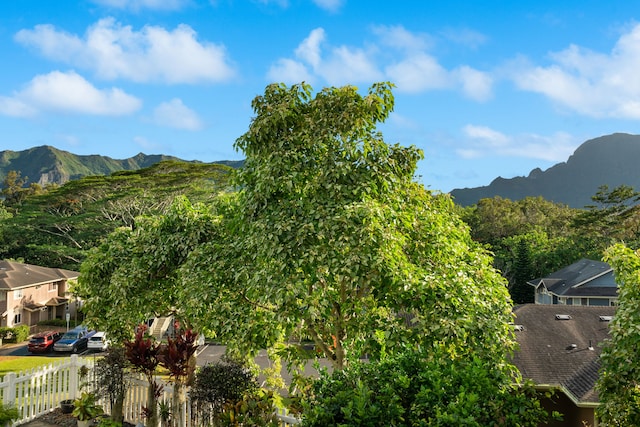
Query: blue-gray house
[{"x": 585, "y": 282}]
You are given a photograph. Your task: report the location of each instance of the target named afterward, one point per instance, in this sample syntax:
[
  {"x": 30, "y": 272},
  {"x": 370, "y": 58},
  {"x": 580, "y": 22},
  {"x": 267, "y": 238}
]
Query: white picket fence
[{"x": 38, "y": 391}]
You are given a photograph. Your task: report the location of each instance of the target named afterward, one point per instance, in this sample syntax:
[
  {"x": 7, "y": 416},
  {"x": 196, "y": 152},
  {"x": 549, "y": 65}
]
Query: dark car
[
  {"x": 43, "y": 342},
  {"x": 74, "y": 341}
]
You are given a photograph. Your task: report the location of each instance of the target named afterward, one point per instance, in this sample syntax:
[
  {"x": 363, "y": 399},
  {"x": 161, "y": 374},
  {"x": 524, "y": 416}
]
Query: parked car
[
  {"x": 98, "y": 342},
  {"x": 74, "y": 341},
  {"x": 43, "y": 342}
]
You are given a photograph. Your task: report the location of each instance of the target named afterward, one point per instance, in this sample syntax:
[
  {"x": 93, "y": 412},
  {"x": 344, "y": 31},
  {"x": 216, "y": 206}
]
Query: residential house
[
  {"x": 29, "y": 293},
  {"x": 585, "y": 282},
  {"x": 559, "y": 349}
]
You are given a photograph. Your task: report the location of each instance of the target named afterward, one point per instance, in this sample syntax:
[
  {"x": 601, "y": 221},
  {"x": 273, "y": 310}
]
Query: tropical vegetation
[{"x": 322, "y": 245}]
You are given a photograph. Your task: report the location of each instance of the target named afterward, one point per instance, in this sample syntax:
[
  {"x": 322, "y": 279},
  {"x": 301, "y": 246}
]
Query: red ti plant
[
  {"x": 143, "y": 354},
  {"x": 178, "y": 357}
]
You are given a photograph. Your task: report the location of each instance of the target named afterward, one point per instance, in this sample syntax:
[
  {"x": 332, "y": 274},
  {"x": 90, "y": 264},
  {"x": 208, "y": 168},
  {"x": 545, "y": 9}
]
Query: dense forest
[{"x": 533, "y": 237}]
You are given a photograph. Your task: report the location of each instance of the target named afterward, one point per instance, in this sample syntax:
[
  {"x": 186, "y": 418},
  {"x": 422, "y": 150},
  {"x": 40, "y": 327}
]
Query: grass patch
[{"x": 22, "y": 363}]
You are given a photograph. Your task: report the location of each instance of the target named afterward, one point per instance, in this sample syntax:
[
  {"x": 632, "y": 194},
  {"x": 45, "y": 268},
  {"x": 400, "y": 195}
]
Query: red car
[{"x": 43, "y": 342}]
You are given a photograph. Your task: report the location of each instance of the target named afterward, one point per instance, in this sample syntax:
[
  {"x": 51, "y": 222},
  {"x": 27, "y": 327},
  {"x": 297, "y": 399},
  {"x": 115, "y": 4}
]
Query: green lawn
[{"x": 22, "y": 363}]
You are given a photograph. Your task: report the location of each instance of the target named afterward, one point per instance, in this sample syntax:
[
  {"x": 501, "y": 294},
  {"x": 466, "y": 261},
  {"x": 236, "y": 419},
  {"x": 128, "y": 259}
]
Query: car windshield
[
  {"x": 71, "y": 336},
  {"x": 96, "y": 338},
  {"x": 37, "y": 340}
]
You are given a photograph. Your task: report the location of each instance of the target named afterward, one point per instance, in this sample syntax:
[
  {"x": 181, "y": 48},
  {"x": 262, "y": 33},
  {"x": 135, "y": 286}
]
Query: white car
[{"x": 98, "y": 342}]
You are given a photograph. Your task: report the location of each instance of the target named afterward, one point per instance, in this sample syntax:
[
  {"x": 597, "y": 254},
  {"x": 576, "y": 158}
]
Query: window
[
  {"x": 3, "y": 296},
  {"x": 17, "y": 294},
  {"x": 17, "y": 318},
  {"x": 53, "y": 287}
]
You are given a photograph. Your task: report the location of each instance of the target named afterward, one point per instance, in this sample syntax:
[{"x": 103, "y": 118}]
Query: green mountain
[
  {"x": 48, "y": 165},
  {"x": 610, "y": 160}
]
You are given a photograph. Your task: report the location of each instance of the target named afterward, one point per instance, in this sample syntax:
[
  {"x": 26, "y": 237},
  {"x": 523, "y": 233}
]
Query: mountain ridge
[
  {"x": 606, "y": 160},
  {"x": 46, "y": 164}
]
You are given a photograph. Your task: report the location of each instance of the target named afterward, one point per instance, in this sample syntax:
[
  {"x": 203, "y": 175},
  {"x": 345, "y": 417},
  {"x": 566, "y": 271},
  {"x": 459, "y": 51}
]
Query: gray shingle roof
[
  {"x": 582, "y": 278},
  {"x": 15, "y": 275},
  {"x": 547, "y": 355}
]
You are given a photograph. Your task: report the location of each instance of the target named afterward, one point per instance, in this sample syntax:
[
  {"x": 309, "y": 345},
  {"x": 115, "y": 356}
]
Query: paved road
[
  {"x": 213, "y": 353},
  {"x": 21, "y": 350}
]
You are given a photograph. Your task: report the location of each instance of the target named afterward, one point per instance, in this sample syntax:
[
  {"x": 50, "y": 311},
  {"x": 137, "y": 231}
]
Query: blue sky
[{"x": 485, "y": 88}]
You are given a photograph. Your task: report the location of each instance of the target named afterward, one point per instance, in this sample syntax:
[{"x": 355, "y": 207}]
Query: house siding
[
  {"x": 18, "y": 302},
  {"x": 572, "y": 415}
]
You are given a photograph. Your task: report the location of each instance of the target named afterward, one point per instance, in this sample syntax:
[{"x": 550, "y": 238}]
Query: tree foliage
[
  {"x": 614, "y": 217},
  {"x": 13, "y": 190},
  {"x": 414, "y": 389},
  {"x": 134, "y": 274},
  {"x": 330, "y": 239},
  {"x": 619, "y": 382}
]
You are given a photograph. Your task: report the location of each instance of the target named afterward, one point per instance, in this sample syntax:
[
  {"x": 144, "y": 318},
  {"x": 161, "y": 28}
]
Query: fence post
[
  {"x": 9, "y": 395},
  {"x": 73, "y": 376}
]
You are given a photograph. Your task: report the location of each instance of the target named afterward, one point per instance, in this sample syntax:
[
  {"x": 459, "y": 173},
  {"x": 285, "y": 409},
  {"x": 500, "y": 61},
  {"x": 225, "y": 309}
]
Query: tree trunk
[
  {"x": 152, "y": 405},
  {"x": 179, "y": 400},
  {"x": 117, "y": 409}
]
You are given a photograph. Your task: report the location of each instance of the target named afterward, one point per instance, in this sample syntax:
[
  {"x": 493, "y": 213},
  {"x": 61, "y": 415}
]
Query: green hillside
[
  {"x": 56, "y": 229},
  {"x": 48, "y": 165}
]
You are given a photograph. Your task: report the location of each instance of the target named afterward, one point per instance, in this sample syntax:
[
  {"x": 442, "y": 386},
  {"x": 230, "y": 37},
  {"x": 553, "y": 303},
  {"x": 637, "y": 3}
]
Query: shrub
[
  {"x": 254, "y": 409},
  {"x": 413, "y": 389},
  {"x": 8, "y": 413},
  {"x": 222, "y": 382},
  {"x": 6, "y": 333},
  {"x": 15, "y": 334},
  {"x": 21, "y": 333},
  {"x": 227, "y": 394}
]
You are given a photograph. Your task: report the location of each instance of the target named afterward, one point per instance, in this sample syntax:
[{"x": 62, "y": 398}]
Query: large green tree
[
  {"x": 331, "y": 239},
  {"x": 133, "y": 275},
  {"x": 619, "y": 382}
]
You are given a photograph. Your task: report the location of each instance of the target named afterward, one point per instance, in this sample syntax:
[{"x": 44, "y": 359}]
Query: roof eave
[{"x": 568, "y": 393}]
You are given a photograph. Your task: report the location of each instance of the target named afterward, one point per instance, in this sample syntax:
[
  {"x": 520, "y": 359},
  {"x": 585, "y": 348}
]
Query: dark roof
[
  {"x": 582, "y": 278},
  {"x": 547, "y": 354},
  {"x": 15, "y": 275}
]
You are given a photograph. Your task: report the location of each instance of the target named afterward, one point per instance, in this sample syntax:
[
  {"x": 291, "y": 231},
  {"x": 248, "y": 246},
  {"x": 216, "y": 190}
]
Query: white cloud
[
  {"x": 399, "y": 38},
  {"x": 137, "y": 5},
  {"x": 329, "y": 5},
  {"x": 310, "y": 48},
  {"x": 487, "y": 135},
  {"x": 482, "y": 141},
  {"x": 475, "y": 84},
  {"x": 177, "y": 115},
  {"x": 590, "y": 83},
  {"x": 410, "y": 67},
  {"x": 338, "y": 66},
  {"x": 67, "y": 93},
  {"x": 346, "y": 65},
  {"x": 289, "y": 71},
  {"x": 152, "y": 54},
  {"x": 418, "y": 73}
]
